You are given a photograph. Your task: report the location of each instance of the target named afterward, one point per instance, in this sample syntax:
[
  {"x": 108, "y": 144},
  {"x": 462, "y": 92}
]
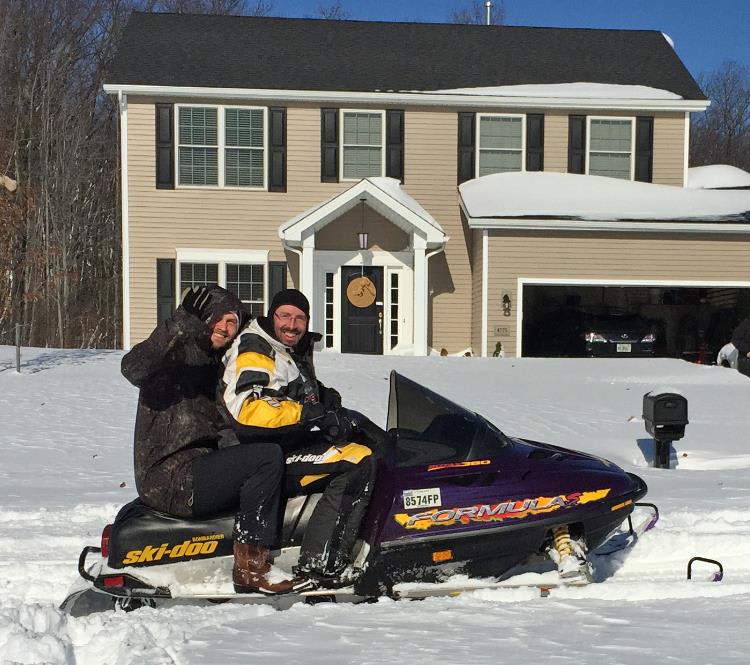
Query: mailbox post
[{"x": 665, "y": 416}]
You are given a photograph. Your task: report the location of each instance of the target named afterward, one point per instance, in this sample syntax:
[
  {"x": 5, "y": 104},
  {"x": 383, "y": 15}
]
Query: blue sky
[{"x": 705, "y": 33}]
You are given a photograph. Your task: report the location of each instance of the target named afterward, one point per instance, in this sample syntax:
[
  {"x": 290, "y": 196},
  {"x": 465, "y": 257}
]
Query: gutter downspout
[{"x": 427, "y": 258}]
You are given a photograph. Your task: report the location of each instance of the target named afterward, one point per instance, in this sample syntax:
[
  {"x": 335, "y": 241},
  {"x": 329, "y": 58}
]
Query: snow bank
[{"x": 716, "y": 176}]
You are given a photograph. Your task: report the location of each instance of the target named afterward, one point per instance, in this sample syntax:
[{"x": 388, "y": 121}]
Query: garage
[{"x": 691, "y": 322}]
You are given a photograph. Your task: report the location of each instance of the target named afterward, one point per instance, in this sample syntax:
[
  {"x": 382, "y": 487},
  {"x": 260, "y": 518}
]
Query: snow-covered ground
[{"x": 65, "y": 467}]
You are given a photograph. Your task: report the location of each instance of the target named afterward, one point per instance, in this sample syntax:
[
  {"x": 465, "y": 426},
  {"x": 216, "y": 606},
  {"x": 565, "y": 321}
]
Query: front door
[{"x": 362, "y": 309}]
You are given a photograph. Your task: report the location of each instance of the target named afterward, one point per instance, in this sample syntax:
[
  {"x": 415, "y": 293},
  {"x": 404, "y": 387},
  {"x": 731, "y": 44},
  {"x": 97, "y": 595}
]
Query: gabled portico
[{"x": 371, "y": 296}]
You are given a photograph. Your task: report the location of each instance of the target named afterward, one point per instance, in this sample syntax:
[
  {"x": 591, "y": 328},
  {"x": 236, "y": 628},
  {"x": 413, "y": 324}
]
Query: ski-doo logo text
[
  {"x": 314, "y": 459},
  {"x": 496, "y": 512},
  {"x": 199, "y": 545}
]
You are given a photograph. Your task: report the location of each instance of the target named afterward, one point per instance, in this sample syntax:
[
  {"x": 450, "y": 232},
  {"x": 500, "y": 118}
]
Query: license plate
[
  {"x": 424, "y": 498},
  {"x": 623, "y": 348}
]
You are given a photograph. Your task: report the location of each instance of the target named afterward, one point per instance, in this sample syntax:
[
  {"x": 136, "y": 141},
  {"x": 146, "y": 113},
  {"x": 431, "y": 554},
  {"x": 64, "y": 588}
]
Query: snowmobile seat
[{"x": 144, "y": 536}]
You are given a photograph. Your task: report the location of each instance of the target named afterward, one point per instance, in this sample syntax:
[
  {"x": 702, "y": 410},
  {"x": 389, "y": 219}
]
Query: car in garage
[{"x": 618, "y": 335}]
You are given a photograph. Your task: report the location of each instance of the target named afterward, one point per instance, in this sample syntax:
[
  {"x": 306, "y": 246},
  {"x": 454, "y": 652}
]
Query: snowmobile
[{"x": 453, "y": 496}]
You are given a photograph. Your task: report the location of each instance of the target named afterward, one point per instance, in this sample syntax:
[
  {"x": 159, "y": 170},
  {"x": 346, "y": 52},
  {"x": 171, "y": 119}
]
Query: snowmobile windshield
[{"x": 429, "y": 428}]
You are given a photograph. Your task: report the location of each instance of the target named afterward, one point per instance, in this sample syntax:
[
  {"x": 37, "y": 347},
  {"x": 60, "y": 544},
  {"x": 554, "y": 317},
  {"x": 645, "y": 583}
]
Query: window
[
  {"x": 246, "y": 282},
  {"x": 221, "y": 146},
  {"x": 329, "y": 310},
  {"x": 198, "y": 274},
  {"x": 611, "y": 147},
  {"x": 394, "y": 310},
  {"x": 362, "y": 141},
  {"x": 241, "y": 271},
  {"x": 198, "y": 146},
  {"x": 501, "y": 142}
]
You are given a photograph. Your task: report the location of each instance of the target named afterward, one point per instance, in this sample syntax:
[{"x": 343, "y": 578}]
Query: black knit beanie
[{"x": 289, "y": 297}]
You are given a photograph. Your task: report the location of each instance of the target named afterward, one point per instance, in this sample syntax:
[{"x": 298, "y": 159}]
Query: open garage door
[{"x": 611, "y": 320}]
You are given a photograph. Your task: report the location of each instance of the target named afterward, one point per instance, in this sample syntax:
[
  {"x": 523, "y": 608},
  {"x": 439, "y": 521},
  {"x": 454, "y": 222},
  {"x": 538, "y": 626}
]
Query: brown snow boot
[{"x": 251, "y": 567}]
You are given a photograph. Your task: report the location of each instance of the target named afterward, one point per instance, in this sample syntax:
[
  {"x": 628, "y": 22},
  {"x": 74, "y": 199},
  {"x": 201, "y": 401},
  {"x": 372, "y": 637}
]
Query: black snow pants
[
  {"x": 345, "y": 473},
  {"x": 249, "y": 476}
]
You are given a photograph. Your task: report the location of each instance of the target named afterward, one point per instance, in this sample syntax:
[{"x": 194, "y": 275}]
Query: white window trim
[
  {"x": 589, "y": 118},
  {"x": 342, "y": 112},
  {"x": 478, "y": 138},
  {"x": 221, "y": 146},
  {"x": 221, "y": 257}
]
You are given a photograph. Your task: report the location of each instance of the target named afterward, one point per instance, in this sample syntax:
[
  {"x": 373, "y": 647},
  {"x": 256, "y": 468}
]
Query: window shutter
[
  {"x": 329, "y": 145},
  {"x": 644, "y": 148},
  {"x": 466, "y": 146},
  {"x": 165, "y": 289},
  {"x": 394, "y": 144},
  {"x": 577, "y": 144},
  {"x": 276, "y": 278},
  {"x": 164, "y": 146},
  {"x": 277, "y": 150},
  {"x": 535, "y": 142}
]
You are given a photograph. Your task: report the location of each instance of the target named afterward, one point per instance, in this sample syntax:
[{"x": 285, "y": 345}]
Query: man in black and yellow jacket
[{"x": 272, "y": 395}]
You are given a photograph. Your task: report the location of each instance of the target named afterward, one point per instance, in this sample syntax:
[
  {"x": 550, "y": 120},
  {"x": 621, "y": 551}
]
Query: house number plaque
[{"x": 361, "y": 292}]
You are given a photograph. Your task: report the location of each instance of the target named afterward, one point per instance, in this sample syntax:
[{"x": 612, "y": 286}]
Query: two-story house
[{"x": 403, "y": 175}]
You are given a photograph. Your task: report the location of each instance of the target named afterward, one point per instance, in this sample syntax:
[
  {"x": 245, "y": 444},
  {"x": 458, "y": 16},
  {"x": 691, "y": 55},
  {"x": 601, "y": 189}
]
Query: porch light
[
  {"x": 506, "y": 305},
  {"x": 362, "y": 235}
]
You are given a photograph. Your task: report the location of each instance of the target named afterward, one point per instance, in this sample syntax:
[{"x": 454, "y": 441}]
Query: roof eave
[
  {"x": 412, "y": 98},
  {"x": 619, "y": 226}
]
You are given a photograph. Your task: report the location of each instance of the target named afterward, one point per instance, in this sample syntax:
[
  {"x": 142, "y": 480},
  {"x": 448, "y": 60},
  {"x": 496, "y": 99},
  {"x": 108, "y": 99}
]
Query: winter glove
[
  {"x": 195, "y": 301},
  {"x": 329, "y": 397},
  {"x": 336, "y": 426},
  {"x": 312, "y": 412}
]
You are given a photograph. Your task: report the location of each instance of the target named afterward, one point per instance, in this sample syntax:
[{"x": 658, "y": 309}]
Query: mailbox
[{"x": 665, "y": 416}]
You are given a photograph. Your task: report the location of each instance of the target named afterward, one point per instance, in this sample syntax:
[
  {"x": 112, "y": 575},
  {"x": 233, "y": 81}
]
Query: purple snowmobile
[{"x": 455, "y": 498}]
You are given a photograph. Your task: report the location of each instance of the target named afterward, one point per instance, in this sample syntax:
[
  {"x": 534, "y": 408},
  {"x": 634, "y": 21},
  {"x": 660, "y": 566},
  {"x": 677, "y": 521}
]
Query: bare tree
[
  {"x": 721, "y": 135},
  {"x": 475, "y": 13},
  {"x": 333, "y": 11},
  {"x": 236, "y": 7}
]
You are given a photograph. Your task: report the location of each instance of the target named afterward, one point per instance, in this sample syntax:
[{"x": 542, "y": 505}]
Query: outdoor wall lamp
[
  {"x": 506, "y": 305},
  {"x": 362, "y": 235}
]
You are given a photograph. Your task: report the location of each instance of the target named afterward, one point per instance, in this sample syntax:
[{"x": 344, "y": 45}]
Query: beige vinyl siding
[
  {"x": 556, "y": 142},
  {"x": 342, "y": 233},
  {"x": 431, "y": 149},
  {"x": 669, "y": 149},
  {"x": 601, "y": 257}
]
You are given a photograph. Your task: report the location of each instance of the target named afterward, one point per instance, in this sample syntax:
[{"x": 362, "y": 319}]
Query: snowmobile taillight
[
  {"x": 442, "y": 556},
  {"x": 595, "y": 337},
  {"x": 117, "y": 580},
  {"x": 105, "y": 540}
]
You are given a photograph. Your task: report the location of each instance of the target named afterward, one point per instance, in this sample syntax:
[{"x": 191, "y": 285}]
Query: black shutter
[
  {"x": 394, "y": 144},
  {"x": 329, "y": 145},
  {"x": 277, "y": 150},
  {"x": 165, "y": 275},
  {"x": 535, "y": 142},
  {"x": 164, "y": 147},
  {"x": 576, "y": 144},
  {"x": 644, "y": 148},
  {"x": 276, "y": 278},
  {"x": 466, "y": 146}
]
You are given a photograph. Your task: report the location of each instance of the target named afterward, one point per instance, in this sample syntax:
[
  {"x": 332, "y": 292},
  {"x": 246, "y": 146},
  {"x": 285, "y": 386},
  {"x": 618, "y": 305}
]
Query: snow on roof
[
  {"x": 569, "y": 196},
  {"x": 579, "y": 90},
  {"x": 717, "y": 176}
]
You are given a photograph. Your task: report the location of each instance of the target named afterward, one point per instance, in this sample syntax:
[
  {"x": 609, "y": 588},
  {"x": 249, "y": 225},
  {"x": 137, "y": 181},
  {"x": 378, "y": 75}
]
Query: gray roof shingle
[{"x": 363, "y": 56}]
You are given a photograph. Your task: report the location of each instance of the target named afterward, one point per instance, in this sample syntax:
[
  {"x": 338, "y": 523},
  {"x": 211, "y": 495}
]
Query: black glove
[
  {"x": 312, "y": 413},
  {"x": 336, "y": 426},
  {"x": 195, "y": 301},
  {"x": 329, "y": 397}
]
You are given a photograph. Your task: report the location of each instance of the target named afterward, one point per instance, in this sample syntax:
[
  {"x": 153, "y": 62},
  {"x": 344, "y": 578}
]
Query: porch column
[
  {"x": 420, "y": 297},
  {"x": 307, "y": 263}
]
